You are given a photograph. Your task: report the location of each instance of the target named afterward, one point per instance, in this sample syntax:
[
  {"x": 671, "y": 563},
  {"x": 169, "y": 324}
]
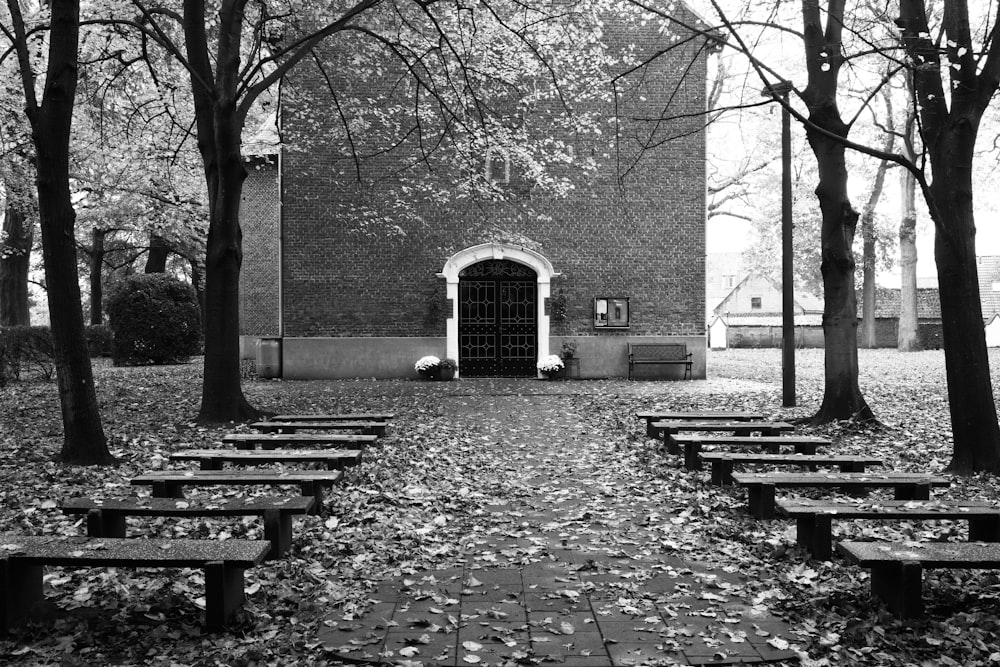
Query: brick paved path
[{"x": 571, "y": 568}]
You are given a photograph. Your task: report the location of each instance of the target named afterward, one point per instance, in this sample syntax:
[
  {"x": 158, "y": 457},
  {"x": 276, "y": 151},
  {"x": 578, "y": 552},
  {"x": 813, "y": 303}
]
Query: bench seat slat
[
  {"x": 148, "y": 506},
  {"x": 333, "y": 458},
  {"x": 651, "y": 416},
  {"x": 209, "y": 477},
  {"x": 722, "y": 462},
  {"x": 277, "y": 440},
  {"x": 130, "y": 552},
  {"x": 366, "y": 427},
  {"x": 374, "y": 416}
]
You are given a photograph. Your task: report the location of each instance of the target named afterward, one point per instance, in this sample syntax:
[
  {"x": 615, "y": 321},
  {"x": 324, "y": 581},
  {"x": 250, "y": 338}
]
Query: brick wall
[
  {"x": 639, "y": 234},
  {"x": 259, "y": 275}
]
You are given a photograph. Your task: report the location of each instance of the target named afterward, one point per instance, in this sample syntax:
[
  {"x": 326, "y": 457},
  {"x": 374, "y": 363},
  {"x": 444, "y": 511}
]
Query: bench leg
[
  {"x": 717, "y": 478},
  {"x": 761, "y": 497},
  {"x": 854, "y": 466},
  {"x": 805, "y": 448},
  {"x": 913, "y": 492},
  {"x": 377, "y": 430},
  {"x": 211, "y": 464},
  {"x": 691, "y": 459},
  {"x": 102, "y": 523},
  {"x": 821, "y": 546},
  {"x": 900, "y": 586},
  {"x": 314, "y": 489},
  {"x": 223, "y": 594},
  {"x": 167, "y": 490},
  {"x": 727, "y": 473},
  {"x": 650, "y": 431},
  {"x": 244, "y": 445},
  {"x": 278, "y": 531},
  {"x": 672, "y": 446},
  {"x": 771, "y": 448},
  {"x": 984, "y": 529},
  {"x": 20, "y": 589}
]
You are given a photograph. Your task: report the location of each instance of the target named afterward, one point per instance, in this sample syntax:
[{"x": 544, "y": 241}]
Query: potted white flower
[
  {"x": 551, "y": 366},
  {"x": 428, "y": 367}
]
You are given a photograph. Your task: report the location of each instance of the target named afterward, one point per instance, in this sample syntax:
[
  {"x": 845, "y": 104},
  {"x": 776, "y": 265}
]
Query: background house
[
  {"x": 494, "y": 284},
  {"x": 751, "y": 316},
  {"x": 887, "y": 316}
]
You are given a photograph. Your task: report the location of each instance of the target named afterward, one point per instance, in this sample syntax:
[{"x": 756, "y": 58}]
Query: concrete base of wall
[{"x": 393, "y": 358}]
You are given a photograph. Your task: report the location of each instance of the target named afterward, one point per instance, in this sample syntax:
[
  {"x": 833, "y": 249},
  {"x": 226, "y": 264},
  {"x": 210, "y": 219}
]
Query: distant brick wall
[
  {"x": 259, "y": 275},
  {"x": 641, "y": 236}
]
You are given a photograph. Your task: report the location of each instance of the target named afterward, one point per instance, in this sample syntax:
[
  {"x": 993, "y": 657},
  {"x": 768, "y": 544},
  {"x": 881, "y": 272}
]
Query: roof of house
[{"x": 887, "y": 303}]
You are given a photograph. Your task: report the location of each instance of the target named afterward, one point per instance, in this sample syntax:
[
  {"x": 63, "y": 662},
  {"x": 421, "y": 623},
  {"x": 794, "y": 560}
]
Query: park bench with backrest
[
  {"x": 365, "y": 427},
  {"x": 355, "y": 417},
  {"x": 640, "y": 354},
  {"x": 214, "y": 459},
  {"x": 171, "y": 483},
  {"x": 897, "y": 568},
  {"x": 276, "y": 440},
  {"x": 670, "y": 429},
  {"x": 723, "y": 462},
  {"x": 705, "y": 415},
  {"x": 106, "y": 518},
  {"x": 224, "y": 562},
  {"x": 814, "y": 518},
  {"x": 761, "y": 486}
]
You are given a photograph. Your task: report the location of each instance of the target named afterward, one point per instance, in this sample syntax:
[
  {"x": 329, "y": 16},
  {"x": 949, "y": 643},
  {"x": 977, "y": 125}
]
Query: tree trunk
[
  {"x": 222, "y": 397},
  {"x": 199, "y": 290},
  {"x": 83, "y": 435},
  {"x": 949, "y": 126},
  {"x": 15, "y": 259},
  {"x": 908, "y": 335},
  {"x": 970, "y": 388},
  {"x": 867, "y": 334},
  {"x": 96, "y": 276},
  {"x": 156, "y": 259},
  {"x": 842, "y": 397}
]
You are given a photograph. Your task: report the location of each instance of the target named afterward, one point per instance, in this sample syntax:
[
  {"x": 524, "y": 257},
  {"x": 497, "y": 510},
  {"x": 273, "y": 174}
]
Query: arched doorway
[
  {"x": 497, "y": 319},
  {"x": 534, "y": 278}
]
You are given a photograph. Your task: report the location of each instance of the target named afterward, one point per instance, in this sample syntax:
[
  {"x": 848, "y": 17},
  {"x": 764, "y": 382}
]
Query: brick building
[{"x": 619, "y": 257}]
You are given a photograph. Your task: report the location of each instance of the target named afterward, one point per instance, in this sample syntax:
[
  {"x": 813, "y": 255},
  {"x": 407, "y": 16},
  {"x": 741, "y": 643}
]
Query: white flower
[
  {"x": 550, "y": 364},
  {"x": 427, "y": 363}
]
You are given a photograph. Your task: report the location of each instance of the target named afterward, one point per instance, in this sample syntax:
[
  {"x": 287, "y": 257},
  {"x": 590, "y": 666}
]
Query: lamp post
[{"x": 774, "y": 91}]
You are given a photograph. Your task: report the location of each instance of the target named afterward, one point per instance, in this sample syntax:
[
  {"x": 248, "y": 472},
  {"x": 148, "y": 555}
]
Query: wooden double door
[{"x": 497, "y": 320}]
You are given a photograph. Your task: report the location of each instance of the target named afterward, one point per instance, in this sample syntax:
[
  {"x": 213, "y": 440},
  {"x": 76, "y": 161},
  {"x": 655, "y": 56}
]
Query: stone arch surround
[{"x": 539, "y": 263}]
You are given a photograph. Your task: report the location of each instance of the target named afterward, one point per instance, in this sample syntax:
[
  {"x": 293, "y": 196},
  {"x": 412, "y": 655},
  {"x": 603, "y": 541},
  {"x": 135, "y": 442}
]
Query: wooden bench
[
  {"x": 739, "y": 428},
  {"x": 814, "y": 518},
  {"x": 224, "y": 562},
  {"x": 170, "y": 484},
  {"x": 760, "y": 486},
  {"x": 276, "y": 440},
  {"x": 106, "y": 518},
  {"x": 214, "y": 459},
  {"x": 651, "y": 417},
  {"x": 356, "y": 417},
  {"x": 897, "y": 569},
  {"x": 723, "y": 462},
  {"x": 365, "y": 427},
  {"x": 659, "y": 353}
]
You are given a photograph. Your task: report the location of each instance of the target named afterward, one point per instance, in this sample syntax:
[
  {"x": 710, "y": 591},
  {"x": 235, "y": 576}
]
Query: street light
[{"x": 775, "y": 91}]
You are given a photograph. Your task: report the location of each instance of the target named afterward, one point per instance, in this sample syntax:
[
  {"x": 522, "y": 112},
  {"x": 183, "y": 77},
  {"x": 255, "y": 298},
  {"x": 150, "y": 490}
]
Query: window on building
[
  {"x": 611, "y": 312},
  {"x": 729, "y": 281},
  {"x": 755, "y": 303},
  {"x": 497, "y": 166}
]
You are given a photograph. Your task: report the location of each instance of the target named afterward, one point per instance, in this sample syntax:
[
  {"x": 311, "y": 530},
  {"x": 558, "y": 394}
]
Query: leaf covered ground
[{"x": 466, "y": 462}]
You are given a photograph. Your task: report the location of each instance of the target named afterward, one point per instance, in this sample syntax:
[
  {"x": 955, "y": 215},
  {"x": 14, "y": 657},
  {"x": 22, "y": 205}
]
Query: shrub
[
  {"x": 154, "y": 319},
  {"x": 25, "y": 350}
]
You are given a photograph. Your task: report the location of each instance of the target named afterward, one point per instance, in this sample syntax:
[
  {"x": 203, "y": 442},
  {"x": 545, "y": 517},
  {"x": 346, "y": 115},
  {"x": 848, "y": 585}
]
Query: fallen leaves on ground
[{"x": 538, "y": 466}]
